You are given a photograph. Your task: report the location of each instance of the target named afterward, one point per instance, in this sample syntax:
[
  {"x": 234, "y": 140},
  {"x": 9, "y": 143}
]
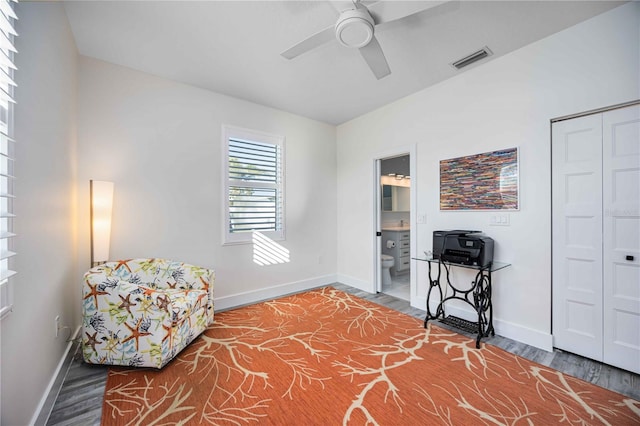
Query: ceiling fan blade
[
  {"x": 373, "y": 55},
  {"x": 387, "y": 11},
  {"x": 318, "y": 39}
]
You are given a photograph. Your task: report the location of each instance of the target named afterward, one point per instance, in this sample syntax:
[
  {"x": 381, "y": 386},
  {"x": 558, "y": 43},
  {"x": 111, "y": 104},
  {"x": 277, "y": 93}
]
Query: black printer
[{"x": 464, "y": 247}]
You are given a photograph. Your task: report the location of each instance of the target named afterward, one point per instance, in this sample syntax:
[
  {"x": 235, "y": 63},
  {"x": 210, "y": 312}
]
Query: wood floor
[{"x": 80, "y": 399}]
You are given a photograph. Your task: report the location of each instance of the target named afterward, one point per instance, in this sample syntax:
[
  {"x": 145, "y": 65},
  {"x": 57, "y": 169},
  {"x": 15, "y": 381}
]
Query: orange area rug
[{"x": 328, "y": 358}]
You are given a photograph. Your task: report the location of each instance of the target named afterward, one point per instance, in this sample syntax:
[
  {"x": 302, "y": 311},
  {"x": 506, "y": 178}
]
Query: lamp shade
[{"x": 101, "y": 193}]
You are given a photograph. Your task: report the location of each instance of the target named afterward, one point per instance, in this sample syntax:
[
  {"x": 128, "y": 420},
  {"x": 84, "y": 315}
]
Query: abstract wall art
[{"x": 487, "y": 181}]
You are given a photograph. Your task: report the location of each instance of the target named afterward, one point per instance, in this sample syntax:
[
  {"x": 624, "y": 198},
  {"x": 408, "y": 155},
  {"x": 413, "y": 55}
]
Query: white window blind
[
  {"x": 254, "y": 187},
  {"x": 7, "y": 84}
]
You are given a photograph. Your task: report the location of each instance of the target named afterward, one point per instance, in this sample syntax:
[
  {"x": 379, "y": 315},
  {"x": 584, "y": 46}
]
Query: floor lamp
[{"x": 101, "y": 195}]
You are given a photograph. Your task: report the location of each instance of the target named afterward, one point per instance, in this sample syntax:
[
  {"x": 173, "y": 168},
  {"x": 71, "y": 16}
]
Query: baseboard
[
  {"x": 245, "y": 298},
  {"x": 419, "y": 302},
  {"x": 355, "y": 282},
  {"x": 510, "y": 330},
  {"x": 523, "y": 334},
  {"x": 507, "y": 329},
  {"x": 50, "y": 395}
]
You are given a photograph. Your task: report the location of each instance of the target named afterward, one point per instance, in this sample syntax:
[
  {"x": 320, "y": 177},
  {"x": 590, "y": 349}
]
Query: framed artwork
[{"x": 487, "y": 181}]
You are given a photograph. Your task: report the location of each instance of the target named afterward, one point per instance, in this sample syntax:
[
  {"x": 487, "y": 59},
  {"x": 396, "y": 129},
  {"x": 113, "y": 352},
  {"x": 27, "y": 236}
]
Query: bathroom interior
[{"x": 395, "y": 184}]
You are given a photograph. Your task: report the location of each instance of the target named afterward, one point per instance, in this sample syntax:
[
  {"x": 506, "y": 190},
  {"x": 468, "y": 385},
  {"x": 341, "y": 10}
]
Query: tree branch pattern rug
[{"x": 328, "y": 358}]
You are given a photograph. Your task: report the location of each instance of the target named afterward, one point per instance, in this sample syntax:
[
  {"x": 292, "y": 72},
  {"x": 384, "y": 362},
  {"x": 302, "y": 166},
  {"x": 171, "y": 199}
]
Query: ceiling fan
[{"x": 355, "y": 28}]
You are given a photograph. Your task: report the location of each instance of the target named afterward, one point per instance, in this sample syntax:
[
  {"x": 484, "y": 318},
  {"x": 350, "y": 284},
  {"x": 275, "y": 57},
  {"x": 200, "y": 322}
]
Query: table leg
[{"x": 433, "y": 283}]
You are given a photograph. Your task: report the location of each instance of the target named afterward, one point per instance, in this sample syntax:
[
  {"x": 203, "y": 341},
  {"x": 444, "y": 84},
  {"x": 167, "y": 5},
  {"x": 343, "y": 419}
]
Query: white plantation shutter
[
  {"x": 254, "y": 187},
  {"x": 7, "y": 84}
]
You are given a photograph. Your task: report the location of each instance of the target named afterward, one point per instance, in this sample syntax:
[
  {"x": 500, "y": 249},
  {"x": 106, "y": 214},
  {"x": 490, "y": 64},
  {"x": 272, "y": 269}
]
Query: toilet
[{"x": 387, "y": 262}]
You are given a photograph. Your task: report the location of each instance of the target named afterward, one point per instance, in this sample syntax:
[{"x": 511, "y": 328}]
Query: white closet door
[
  {"x": 621, "y": 204},
  {"x": 577, "y": 235}
]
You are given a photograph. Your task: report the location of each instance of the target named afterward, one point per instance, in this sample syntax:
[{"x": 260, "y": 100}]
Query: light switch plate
[{"x": 500, "y": 220}]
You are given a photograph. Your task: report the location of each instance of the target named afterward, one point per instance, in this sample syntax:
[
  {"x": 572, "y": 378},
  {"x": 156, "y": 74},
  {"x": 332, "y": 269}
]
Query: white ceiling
[{"x": 233, "y": 47}]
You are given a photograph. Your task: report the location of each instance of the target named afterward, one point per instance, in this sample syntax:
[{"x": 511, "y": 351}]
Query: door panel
[
  {"x": 577, "y": 235},
  {"x": 621, "y": 230}
]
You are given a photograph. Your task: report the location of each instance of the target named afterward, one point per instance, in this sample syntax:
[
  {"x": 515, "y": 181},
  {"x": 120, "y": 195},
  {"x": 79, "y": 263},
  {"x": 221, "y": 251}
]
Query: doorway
[{"x": 394, "y": 225}]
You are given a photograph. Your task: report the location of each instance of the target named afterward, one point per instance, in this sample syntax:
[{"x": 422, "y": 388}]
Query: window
[
  {"x": 7, "y": 33},
  {"x": 254, "y": 185}
]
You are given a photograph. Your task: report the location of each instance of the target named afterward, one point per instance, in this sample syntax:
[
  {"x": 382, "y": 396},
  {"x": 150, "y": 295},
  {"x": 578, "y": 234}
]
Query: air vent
[{"x": 474, "y": 57}]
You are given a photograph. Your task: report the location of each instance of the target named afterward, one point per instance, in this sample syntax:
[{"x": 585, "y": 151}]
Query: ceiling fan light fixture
[{"x": 354, "y": 28}]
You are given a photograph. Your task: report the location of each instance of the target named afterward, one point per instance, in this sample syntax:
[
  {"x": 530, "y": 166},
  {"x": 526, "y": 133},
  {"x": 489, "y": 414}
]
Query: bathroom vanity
[{"x": 396, "y": 242}]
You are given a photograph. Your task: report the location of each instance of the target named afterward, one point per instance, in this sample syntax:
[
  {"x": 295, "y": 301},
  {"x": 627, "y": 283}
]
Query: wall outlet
[{"x": 56, "y": 321}]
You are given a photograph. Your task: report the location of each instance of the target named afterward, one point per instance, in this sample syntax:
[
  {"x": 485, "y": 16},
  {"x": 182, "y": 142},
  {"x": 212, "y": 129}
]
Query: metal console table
[{"x": 478, "y": 296}]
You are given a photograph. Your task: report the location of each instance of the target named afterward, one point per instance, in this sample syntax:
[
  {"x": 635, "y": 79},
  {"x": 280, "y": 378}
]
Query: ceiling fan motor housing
[{"x": 354, "y": 28}]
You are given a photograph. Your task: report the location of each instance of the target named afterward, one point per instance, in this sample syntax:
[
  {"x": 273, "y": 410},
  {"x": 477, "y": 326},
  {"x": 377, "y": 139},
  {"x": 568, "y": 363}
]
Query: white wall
[
  {"x": 501, "y": 104},
  {"x": 45, "y": 285},
  {"x": 160, "y": 142}
]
